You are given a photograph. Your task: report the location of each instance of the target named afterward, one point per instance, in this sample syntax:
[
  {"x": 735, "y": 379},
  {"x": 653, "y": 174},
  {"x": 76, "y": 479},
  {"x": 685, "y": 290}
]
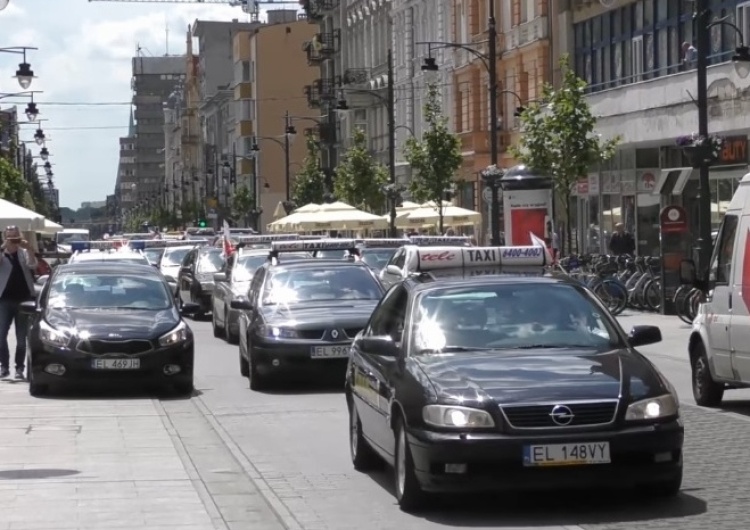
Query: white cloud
[{"x": 85, "y": 51}]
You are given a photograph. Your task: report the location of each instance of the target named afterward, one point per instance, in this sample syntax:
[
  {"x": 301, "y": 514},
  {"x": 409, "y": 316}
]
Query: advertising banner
[{"x": 527, "y": 212}]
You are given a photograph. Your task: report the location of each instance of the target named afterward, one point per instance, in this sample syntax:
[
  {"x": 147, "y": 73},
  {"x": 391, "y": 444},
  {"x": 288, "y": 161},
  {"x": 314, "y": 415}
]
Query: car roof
[
  {"x": 426, "y": 281},
  {"x": 179, "y": 247},
  {"x": 317, "y": 263},
  {"x": 107, "y": 267},
  {"x": 109, "y": 256}
]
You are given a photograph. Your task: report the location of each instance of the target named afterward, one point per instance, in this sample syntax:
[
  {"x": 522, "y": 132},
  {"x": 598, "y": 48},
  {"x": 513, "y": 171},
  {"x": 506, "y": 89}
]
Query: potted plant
[{"x": 701, "y": 150}]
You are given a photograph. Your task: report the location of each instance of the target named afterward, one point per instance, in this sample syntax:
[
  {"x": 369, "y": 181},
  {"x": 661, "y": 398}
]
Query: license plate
[
  {"x": 329, "y": 352},
  {"x": 566, "y": 454},
  {"x": 116, "y": 364}
]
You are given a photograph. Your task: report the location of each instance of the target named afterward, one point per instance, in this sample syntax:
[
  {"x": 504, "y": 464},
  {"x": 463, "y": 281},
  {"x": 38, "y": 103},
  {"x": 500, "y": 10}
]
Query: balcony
[
  {"x": 315, "y": 10},
  {"x": 356, "y": 76},
  {"x": 320, "y": 91},
  {"x": 325, "y": 133},
  {"x": 322, "y": 46},
  {"x": 528, "y": 32}
]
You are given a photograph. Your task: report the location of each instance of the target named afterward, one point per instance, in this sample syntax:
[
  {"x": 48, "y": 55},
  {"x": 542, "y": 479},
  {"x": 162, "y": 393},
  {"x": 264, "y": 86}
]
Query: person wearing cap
[{"x": 17, "y": 263}]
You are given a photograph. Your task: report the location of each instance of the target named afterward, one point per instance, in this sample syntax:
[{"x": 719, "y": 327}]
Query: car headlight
[
  {"x": 276, "y": 332},
  {"x": 456, "y": 417},
  {"x": 52, "y": 336},
  {"x": 176, "y": 336},
  {"x": 665, "y": 406}
]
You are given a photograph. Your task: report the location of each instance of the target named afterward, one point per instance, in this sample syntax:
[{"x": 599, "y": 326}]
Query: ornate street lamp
[
  {"x": 44, "y": 154},
  {"x": 32, "y": 112}
]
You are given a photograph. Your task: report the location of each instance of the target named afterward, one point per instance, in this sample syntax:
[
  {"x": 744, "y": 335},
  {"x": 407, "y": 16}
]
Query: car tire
[
  {"x": 218, "y": 331},
  {"x": 363, "y": 456},
  {"x": 229, "y": 337},
  {"x": 409, "y": 493},
  {"x": 706, "y": 391},
  {"x": 244, "y": 366},
  {"x": 257, "y": 381}
]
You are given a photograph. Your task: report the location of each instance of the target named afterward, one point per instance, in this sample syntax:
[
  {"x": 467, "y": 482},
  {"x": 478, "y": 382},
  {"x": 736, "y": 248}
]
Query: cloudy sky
[{"x": 84, "y": 68}]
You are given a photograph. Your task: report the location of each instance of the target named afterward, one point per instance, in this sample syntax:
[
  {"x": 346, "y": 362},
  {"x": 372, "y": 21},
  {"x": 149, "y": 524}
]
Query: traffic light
[{"x": 202, "y": 223}]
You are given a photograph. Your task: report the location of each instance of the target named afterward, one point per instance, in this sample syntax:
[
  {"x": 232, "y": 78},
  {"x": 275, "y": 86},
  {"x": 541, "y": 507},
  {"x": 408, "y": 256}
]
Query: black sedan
[
  {"x": 102, "y": 323},
  {"x": 508, "y": 382},
  {"x": 301, "y": 317}
]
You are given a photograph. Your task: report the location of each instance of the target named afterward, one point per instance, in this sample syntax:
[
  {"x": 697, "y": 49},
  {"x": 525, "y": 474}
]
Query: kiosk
[
  {"x": 527, "y": 203},
  {"x": 675, "y": 245}
]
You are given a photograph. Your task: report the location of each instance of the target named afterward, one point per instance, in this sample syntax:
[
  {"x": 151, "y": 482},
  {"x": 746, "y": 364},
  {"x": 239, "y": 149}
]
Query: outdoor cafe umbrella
[{"x": 25, "y": 219}]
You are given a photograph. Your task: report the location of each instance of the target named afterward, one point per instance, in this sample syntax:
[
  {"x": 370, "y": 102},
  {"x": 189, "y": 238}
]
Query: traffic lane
[
  {"x": 671, "y": 356},
  {"x": 296, "y": 441}
]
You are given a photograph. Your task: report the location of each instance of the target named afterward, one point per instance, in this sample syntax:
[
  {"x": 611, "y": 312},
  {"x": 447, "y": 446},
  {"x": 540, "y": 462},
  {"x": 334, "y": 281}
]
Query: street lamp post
[
  {"x": 24, "y": 74},
  {"x": 703, "y": 26},
  {"x": 489, "y": 61}
]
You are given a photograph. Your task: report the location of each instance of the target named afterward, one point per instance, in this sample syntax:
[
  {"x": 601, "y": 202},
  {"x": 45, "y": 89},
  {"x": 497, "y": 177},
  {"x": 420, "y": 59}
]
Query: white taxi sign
[
  {"x": 313, "y": 245},
  {"x": 426, "y": 241},
  {"x": 266, "y": 238},
  {"x": 140, "y": 244},
  {"x": 383, "y": 242},
  {"x": 436, "y": 258},
  {"x": 80, "y": 246}
]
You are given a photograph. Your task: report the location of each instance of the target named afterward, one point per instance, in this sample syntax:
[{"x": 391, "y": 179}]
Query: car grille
[
  {"x": 102, "y": 347},
  {"x": 352, "y": 332},
  {"x": 311, "y": 334},
  {"x": 541, "y": 416}
]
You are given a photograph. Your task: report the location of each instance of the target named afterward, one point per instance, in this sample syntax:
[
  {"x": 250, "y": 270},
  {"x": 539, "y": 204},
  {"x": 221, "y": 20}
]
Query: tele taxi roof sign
[
  {"x": 313, "y": 245},
  {"x": 436, "y": 258}
]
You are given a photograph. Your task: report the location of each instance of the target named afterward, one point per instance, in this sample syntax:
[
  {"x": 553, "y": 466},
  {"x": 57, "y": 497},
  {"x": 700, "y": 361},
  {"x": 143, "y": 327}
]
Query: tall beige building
[{"x": 270, "y": 75}]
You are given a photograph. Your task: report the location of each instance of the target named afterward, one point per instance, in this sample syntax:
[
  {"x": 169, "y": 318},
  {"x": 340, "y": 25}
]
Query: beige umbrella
[
  {"x": 429, "y": 216},
  {"x": 50, "y": 227},
  {"x": 26, "y": 220},
  {"x": 279, "y": 211},
  {"x": 343, "y": 219},
  {"x": 335, "y": 206},
  {"x": 307, "y": 208}
]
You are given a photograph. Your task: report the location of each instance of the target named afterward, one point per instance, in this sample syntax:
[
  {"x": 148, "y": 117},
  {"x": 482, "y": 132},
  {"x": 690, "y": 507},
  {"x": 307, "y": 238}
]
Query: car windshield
[
  {"x": 315, "y": 285},
  {"x": 377, "y": 258},
  {"x": 209, "y": 262},
  {"x": 509, "y": 316},
  {"x": 246, "y": 266},
  {"x": 173, "y": 258},
  {"x": 153, "y": 255},
  {"x": 66, "y": 239},
  {"x": 330, "y": 254},
  {"x": 109, "y": 291}
]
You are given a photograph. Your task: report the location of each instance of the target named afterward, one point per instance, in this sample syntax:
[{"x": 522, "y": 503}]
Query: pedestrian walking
[
  {"x": 621, "y": 242},
  {"x": 17, "y": 263}
]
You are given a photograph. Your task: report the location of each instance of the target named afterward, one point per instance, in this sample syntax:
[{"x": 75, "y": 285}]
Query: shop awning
[{"x": 672, "y": 180}]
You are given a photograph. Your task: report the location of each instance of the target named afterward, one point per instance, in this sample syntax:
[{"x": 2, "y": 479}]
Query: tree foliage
[
  {"x": 359, "y": 177},
  {"x": 559, "y": 137},
  {"x": 13, "y": 187},
  {"x": 243, "y": 202},
  {"x": 309, "y": 183},
  {"x": 435, "y": 157}
]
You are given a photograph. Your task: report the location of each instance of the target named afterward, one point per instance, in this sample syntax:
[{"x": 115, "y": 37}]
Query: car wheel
[
  {"x": 257, "y": 381},
  {"x": 218, "y": 332},
  {"x": 230, "y": 337},
  {"x": 363, "y": 456},
  {"x": 409, "y": 493},
  {"x": 185, "y": 388},
  {"x": 706, "y": 391},
  {"x": 244, "y": 366}
]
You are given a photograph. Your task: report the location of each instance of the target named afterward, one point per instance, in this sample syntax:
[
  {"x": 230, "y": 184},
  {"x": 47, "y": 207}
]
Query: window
[
  {"x": 636, "y": 70},
  {"x": 247, "y": 109},
  {"x": 246, "y": 73},
  {"x": 743, "y": 20},
  {"x": 388, "y": 318},
  {"x": 721, "y": 267}
]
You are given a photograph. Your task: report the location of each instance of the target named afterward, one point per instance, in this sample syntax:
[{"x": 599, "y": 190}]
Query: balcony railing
[
  {"x": 315, "y": 10},
  {"x": 322, "y": 46},
  {"x": 355, "y": 76},
  {"x": 321, "y": 90}
]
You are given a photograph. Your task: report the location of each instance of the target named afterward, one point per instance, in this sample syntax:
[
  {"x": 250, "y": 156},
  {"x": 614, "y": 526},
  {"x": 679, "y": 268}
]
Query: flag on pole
[
  {"x": 228, "y": 248},
  {"x": 537, "y": 242}
]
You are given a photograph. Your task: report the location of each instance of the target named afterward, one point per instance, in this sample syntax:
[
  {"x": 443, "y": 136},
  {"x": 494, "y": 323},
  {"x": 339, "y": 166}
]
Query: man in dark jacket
[{"x": 621, "y": 242}]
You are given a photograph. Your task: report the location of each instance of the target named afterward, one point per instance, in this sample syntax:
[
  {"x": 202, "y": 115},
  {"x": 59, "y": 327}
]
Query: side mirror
[
  {"x": 644, "y": 335},
  {"x": 28, "y": 307},
  {"x": 392, "y": 269},
  {"x": 220, "y": 277},
  {"x": 190, "y": 308},
  {"x": 382, "y": 346},
  {"x": 241, "y": 304},
  {"x": 688, "y": 275},
  {"x": 184, "y": 269}
]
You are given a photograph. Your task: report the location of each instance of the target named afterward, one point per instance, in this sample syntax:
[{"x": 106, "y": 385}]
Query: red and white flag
[
  {"x": 538, "y": 242},
  {"x": 228, "y": 248}
]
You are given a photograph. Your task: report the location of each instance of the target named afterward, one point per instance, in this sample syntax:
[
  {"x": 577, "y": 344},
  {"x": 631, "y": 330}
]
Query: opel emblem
[
  {"x": 335, "y": 334},
  {"x": 561, "y": 415}
]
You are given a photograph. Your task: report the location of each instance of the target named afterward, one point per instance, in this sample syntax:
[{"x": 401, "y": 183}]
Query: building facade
[
  {"x": 154, "y": 79},
  {"x": 125, "y": 184},
  {"x": 273, "y": 93},
  {"x": 525, "y": 63},
  {"x": 640, "y": 83},
  {"x": 419, "y": 21}
]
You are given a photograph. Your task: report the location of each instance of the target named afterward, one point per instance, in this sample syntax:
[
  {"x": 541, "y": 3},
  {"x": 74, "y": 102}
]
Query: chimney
[{"x": 281, "y": 16}]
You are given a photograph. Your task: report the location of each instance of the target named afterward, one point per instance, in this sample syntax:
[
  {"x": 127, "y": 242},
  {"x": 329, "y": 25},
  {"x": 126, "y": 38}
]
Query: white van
[{"x": 719, "y": 345}]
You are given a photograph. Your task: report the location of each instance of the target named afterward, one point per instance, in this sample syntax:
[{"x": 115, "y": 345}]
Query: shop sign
[
  {"x": 734, "y": 151},
  {"x": 593, "y": 184},
  {"x": 673, "y": 220},
  {"x": 582, "y": 187},
  {"x": 647, "y": 181}
]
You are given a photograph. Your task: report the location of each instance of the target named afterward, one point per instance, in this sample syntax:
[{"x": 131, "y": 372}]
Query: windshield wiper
[
  {"x": 453, "y": 349},
  {"x": 550, "y": 346}
]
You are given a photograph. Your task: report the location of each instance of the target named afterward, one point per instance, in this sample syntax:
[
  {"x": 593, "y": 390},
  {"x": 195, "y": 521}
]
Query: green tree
[
  {"x": 309, "y": 183},
  {"x": 13, "y": 187},
  {"x": 435, "y": 157},
  {"x": 359, "y": 178},
  {"x": 243, "y": 201},
  {"x": 559, "y": 137}
]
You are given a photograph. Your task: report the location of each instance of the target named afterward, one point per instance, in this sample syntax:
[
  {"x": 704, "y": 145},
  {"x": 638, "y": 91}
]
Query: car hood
[
  {"x": 114, "y": 323},
  {"x": 341, "y": 313},
  {"x": 540, "y": 376}
]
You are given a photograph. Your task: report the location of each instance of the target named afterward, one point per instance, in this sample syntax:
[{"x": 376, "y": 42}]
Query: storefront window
[
  {"x": 648, "y": 224},
  {"x": 721, "y": 195},
  {"x": 611, "y": 212}
]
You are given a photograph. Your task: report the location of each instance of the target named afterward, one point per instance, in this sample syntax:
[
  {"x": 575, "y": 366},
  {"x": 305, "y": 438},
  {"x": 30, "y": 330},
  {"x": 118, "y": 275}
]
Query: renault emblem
[
  {"x": 335, "y": 334},
  {"x": 561, "y": 415},
  {"x": 114, "y": 335}
]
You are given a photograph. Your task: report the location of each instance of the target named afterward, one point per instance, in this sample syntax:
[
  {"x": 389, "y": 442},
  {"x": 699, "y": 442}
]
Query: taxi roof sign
[
  {"x": 313, "y": 245},
  {"x": 80, "y": 246},
  {"x": 140, "y": 244},
  {"x": 436, "y": 258},
  {"x": 426, "y": 241},
  {"x": 264, "y": 238},
  {"x": 383, "y": 242}
]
